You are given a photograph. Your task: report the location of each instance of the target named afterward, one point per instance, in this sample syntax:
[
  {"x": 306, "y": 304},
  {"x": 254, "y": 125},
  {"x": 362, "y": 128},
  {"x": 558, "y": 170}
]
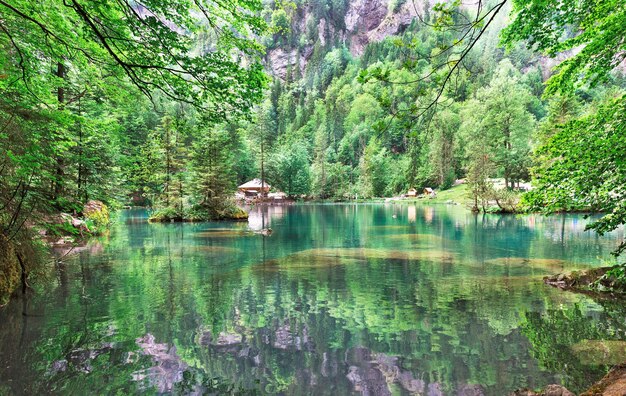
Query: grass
[{"x": 457, "y": 194}]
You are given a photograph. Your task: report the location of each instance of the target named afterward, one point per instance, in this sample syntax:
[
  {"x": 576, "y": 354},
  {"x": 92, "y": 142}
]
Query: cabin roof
[{"x": 255, "y": 183}]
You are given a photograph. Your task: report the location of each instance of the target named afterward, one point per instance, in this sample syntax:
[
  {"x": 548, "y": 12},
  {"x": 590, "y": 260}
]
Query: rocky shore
[{"x": 22, "y": 253}]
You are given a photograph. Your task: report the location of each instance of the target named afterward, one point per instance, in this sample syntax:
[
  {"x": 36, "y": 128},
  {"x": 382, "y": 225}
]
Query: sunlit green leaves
[
  {"x": 592, "y": 31},
  {"x": 583, "y": 167}
]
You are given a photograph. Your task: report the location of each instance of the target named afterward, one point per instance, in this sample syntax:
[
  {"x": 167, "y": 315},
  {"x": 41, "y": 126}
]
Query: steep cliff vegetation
[{"x": 354, "y": 113}]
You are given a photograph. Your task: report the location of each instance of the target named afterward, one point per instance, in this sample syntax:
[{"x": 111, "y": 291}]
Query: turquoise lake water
[{"x": 373, "y": 299}]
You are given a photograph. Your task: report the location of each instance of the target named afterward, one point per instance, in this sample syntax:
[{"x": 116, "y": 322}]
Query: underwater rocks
[
  {"x": 600, "y": 352},
  {"x": 599, "y": 280},
  {"x": 538, "y": 263},
  {"x": 213, "y": 233},
  {"x": 370, "y": 253}
]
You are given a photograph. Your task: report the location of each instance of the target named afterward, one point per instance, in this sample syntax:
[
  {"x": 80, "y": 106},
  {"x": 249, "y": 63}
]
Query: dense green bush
[{"x": 217, "y": 209}]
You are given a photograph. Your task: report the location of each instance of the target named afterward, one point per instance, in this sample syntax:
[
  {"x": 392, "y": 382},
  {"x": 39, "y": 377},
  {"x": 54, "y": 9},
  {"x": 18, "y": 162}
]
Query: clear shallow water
[{"x": 340, "y": 299}]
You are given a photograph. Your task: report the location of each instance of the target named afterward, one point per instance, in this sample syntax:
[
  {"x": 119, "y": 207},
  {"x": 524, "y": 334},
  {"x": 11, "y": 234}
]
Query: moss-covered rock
[
  {"x": 10, "y": 270},
  {"x": 232, "y": 212},
  {"x": 166, "y": 215},
  {"x": 600, "y": 352},
  {"x": 600, "y": 280}
]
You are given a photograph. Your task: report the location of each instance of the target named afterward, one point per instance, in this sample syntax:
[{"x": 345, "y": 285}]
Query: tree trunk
[
  {"x": 262, "y": 172},
  {"x": 24, "y": 275},
  {"x": 60, "y": 163},
  {"x": 168, "y": 165}
]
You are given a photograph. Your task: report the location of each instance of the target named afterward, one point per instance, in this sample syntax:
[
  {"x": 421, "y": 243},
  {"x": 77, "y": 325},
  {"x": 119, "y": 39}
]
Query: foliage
[
  {"x": 374, "y": 170},
  {"x": 166, "y": 104},
  {"x": 593, "y": 30},
  {"x": 289, "y": 170},
  {"x": 498, "y": 117},
  {"x": 95, "y": 94},
  {"x": 152, "y": 46},
  {"x": 355, "y": 116},
  {"x": 98, "y": 220},
  {"x": 582, "y": 167},
  {"x": 216, "y": 209}
]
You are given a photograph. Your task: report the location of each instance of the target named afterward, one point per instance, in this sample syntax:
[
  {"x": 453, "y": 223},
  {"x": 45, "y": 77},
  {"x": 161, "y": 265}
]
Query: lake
[{"x": 375, "y": 299}]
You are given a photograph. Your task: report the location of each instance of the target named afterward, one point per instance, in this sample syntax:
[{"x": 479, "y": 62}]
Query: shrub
[
  {"x": 166, "y": 214},
  {"x": 97, "y": 217}
]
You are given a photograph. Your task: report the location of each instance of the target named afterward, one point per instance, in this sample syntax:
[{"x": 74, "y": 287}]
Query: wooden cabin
[
  {"x": 254, "y": 187},
  {"x": 412, "y": 193},
  {"x": 429, "y": 191}
]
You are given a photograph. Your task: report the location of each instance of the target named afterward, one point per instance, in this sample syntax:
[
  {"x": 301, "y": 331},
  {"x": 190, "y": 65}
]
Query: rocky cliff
[{"x": 361, "y": 23}]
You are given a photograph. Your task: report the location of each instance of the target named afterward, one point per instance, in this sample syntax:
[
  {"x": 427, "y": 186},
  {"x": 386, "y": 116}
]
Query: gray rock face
[
  {"x": 371, "y": 21},
  {"x": 470, "y": 390},
  {"x": 366, "y": 21},
  {"x": 279, "y": 60}
]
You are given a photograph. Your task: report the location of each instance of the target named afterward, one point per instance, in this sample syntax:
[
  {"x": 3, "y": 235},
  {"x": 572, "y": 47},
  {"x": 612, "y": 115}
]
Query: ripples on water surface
[{"x": 340, "y": 299}]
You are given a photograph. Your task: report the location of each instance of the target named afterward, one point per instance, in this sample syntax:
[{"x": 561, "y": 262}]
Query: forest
[
  {"x": 105, "y": 114},
  {"x": 173, "y": 104}
]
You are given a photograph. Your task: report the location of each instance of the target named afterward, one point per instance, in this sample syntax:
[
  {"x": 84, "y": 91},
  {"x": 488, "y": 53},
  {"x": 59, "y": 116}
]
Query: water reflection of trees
[
  {"x": 556, "y": 333},
  {"x": 305, "y": 329},
  {"x": 242, "y": 316}
]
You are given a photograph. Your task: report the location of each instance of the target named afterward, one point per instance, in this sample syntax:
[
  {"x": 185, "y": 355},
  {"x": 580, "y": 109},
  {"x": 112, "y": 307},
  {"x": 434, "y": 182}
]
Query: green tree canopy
[
  {"x": 582, "y": 164},
  {"x": 153, "y": 44},
  {"x": 593, "y": 30}
]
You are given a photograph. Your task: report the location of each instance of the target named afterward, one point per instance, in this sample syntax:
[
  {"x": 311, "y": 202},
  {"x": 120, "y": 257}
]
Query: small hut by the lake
[
  {"x": 277, "y": 196},
  {"x": 254, "y": 187},
  {"x": 411, "y": 193},
  {"x": 429, "y": 191}
]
